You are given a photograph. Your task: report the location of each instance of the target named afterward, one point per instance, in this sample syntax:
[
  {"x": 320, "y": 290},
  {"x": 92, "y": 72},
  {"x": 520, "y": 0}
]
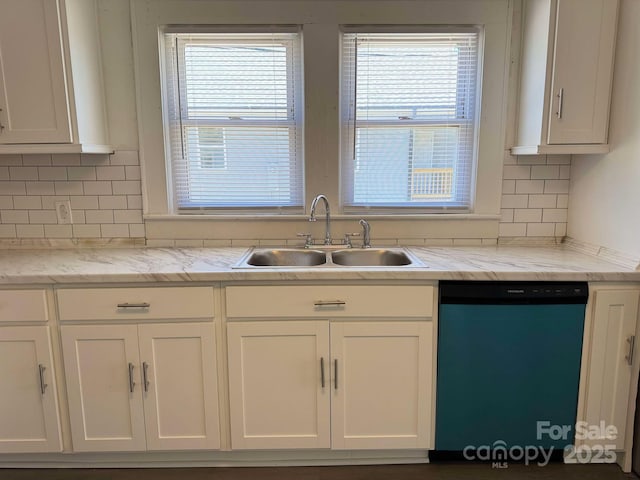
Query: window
[
  {"x": 234, "y": 108},
  {"x": 409, "y": 118}
]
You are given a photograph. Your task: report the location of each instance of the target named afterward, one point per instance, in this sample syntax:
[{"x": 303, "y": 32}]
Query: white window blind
[
  {"x": 234, "y": 108},
  {"x": 409, "y": 118}
]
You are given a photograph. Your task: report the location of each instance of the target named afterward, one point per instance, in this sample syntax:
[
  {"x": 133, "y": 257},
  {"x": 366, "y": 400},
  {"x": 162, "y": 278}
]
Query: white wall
[{"x": 604, "y": 199}]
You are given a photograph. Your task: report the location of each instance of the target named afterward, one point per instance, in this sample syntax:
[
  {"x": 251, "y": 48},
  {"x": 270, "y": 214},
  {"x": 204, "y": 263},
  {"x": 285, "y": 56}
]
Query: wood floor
[{"x": 445, "y": 471}]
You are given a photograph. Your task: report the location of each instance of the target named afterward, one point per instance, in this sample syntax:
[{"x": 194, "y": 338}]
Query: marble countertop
[{"x": 122, "y": 265}]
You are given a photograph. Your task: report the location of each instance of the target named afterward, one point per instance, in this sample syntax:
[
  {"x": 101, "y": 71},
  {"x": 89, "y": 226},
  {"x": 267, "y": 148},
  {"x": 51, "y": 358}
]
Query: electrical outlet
[{"x": 63, "y": 212}]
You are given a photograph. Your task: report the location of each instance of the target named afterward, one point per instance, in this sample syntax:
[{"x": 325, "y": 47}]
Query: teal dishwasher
[{"x": 508, "y": 358}]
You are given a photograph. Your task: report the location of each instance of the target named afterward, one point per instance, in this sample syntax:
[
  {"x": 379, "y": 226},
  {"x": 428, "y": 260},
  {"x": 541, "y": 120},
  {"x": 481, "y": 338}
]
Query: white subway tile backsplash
[
  {"x": 65, "y": 159},
  {"x": 132, "y": 172},
  {"x": 14, "y": 216},
  {"x": 23, "y": 173},
  {"x": 126, "y": 187},
  {"x": 40, "y": 188},
  {"x": 516, "y": 172},
  {"x": 563, "y": 201},
  {"x": 124, "y": 157},
  {"x": 508, "y": 187},
  {"x": 94, "y": 160},
  {"x": 43, "y": 216},
  {"x": 68, "y": 188},
  {"x": 540, "y": 229},
  {"x": 114, "y": 231},
  {"x": 542, "y": 201},
  {"x": 85, "y": 202},
  {"x": 12, "y": 188},
  {"x": 558, "y": 159},
  {"x": 6, "y": 202},
  {"x": 513, "y": 230},
  {"x": 529, "y": 186},
  {"x": 535, "y": 206},
  {"x": 134, "y": 202},
  {"x": 544, "y": 172},
  {"x": 127, "y": 216},
  {"x": 526, "y": 215},
  {"x": 21, "y": 202},
  {"x": 556, "y": 186},
  {"x": 515, "y": 201},
  {"x": 81, "y": 173},
  {"x": 4, "y": 173},
  {"x": 52, "y": 173},
  {"x": 113, "y": 202},
  {"x": 9, "y": 160},
  {"x": 98, "y": 216},
  {"x": 557, "y": 215},
  {"x": 137, "y": 230},
  {"x": 110, "y": 173},
  {"x": 7, "y": 231},
  {"x": 38, "y": 160},
  {"x": 86, "y": 231},
  {"x": 97, "y": 188},
  {"x": 58, "y": 231},
  {"x": 30, "y": 231}
]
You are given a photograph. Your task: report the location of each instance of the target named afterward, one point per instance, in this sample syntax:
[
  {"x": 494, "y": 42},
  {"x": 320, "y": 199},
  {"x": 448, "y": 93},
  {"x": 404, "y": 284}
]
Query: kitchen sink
[
  {"x": 371, "y": 257},
  {"x": 286, "y": 257},
  {"x": 327, "y": 257}
]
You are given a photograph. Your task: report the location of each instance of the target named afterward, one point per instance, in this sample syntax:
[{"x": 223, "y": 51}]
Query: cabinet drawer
[
  {"x": 135, "y": 303},
  {"x": 330, "y": 301},
  {"x": 23, "y": 306}
]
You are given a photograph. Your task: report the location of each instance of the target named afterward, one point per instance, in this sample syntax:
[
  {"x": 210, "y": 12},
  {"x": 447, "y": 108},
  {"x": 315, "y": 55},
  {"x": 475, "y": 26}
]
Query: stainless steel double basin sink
[{"x": 351, "y": 257}]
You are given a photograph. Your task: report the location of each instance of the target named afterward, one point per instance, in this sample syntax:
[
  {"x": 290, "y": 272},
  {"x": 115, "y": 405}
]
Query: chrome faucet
[
  {"x": 366, "y": 233},
  {"x": 312, "y": 216}
]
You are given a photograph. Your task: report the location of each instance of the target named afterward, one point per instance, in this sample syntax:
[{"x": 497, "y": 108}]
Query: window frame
[
  {"x": 171, "y": 70},
  {"x": 350, "y": 121}
]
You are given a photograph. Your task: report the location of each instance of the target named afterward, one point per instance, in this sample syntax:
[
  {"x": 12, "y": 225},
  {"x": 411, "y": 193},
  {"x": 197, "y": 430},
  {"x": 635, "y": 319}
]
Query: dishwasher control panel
[{"x": 513, "y": 292}]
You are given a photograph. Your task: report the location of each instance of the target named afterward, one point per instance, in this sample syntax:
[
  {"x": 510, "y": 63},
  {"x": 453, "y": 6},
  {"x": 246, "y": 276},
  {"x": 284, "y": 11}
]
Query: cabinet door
[
  {"x": 276, "y": 387},
  {"x": 29, "y": 420},
  {"x": 103, "y": 387},
  {"x": 582, "y": 66},
  {"x": 33, "y": 95},
  {"x": 179, "y": 378},
  {"x": 382, "y": 385},
  {"x": 609, "y": 375}
]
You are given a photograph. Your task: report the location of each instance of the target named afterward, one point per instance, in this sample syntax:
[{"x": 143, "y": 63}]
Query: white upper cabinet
[
  {"x": 566, "y": 71},
  {"x": 51, "y": 87}
]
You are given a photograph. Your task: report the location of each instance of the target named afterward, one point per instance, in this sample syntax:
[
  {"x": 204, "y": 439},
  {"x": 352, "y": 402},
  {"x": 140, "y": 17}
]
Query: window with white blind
[
  {"x": 409, "y": 118},
  {"x": 234, "y": 130}
]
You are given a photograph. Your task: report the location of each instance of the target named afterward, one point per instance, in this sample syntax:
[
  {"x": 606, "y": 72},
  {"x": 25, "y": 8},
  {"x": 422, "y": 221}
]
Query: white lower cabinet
[
  {"x": 292, "y": 382},
  {"x": 141, "y": 387},
  {"x": 610, "y": 365},
  {"x": 29, "y": 420}
]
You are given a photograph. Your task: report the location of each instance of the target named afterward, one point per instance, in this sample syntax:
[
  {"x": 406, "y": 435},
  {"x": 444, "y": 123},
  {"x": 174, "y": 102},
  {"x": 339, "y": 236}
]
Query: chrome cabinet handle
[
  {"x": 330, "y": 303},
  {"x": 632, "y": 345},
  {"x": 134, "y": 305},
  {"x": 1, "y": 125},
  {"x": 322, "y": 371},
  {"x": 145, "y": 377},
  {"x": 43, "y": 386},
  {"x": 560, "y": 103},
  {"x": 132, "y": 384},
  {"x": 335, "y": 373}
]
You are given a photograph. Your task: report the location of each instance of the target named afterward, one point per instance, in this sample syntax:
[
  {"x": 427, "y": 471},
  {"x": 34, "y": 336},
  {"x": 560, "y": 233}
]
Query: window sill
[{"x": 299, "y": 217}]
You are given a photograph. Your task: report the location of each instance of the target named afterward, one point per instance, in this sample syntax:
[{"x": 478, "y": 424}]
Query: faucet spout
[
  {"x": 366, "y": 233},
  {"x": 312, "y": 216}
]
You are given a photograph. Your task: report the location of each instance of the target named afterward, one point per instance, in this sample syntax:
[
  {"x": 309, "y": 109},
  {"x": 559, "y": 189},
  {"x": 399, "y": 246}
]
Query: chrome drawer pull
[
  {"x": 330, "y": 303},
  {"x": 560, "y": 103},
  {"x": 134, "y": 305},
  {"x": 632, "y": 345},
  {"x": 43, "y": 386},
  {"x": 335, "y": 373},
  {"x": 322, "y": 371},
  {"x": 132, "y": 384}
]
